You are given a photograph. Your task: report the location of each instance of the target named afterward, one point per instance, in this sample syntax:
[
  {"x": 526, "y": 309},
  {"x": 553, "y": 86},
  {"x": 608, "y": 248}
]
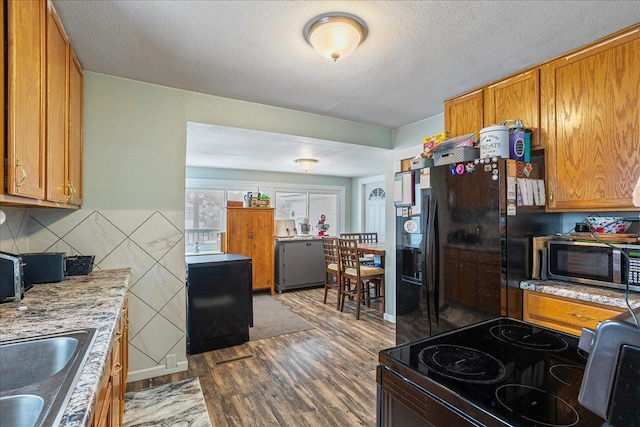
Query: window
[
  {"x": 300, "y": 205},
  {"x": 206, "y": 201},
  {"x": 203, "y": 217}
]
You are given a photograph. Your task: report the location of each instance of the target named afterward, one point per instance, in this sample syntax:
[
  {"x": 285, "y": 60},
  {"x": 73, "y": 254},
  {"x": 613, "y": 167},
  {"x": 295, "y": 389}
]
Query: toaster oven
[
  {"x": 11, "y": 277},
  {"x": 610, "y": 386}
]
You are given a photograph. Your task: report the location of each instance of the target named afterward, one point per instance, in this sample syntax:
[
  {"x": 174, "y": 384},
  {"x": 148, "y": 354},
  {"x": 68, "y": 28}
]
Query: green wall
[{"x": 135, "y": 138}]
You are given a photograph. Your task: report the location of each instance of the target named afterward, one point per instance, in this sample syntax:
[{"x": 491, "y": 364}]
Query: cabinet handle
[
  {"x": 580, "y": 316},
  {"x": 24, "y": 173},
  {"x": 118, "y": 368},
  {"x": 72, "y": 192}
]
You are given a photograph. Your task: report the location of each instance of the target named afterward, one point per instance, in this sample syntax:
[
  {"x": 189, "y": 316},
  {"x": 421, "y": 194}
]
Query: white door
[{"x": 374, "y": 209}]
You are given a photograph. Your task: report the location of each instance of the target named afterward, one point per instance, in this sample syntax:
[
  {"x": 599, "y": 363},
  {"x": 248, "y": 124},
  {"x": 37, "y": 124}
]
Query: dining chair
[
  {"x": 368, "y": 237},
  {"x": 353, "y": 236},
  {"x": 331, "y": 267},
  {"x": 361, "y": 276}
]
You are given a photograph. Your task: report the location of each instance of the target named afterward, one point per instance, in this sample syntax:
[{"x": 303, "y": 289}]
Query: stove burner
[
  {"x": 529, "y": 338},
  {"x": 532, "y": 404},
  {"x": 567, "y": 374},
  {"x": 583, "y": 354},
  {"x": 462, "y": 363}
]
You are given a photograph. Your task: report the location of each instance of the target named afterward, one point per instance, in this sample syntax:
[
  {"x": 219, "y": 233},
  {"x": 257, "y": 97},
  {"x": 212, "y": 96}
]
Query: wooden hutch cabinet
[{"x": 250, "y": 233}]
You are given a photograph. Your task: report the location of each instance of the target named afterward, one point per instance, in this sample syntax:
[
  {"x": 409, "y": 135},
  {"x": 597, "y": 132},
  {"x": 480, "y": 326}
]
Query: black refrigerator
[
  {"x": 463, "y": 247},
  {"x": 219, "y": 301}
]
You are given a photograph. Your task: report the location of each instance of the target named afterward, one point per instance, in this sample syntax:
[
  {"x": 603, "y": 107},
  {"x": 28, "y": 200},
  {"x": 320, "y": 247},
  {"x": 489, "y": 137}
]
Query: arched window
[{"x": 377, "y": 194}]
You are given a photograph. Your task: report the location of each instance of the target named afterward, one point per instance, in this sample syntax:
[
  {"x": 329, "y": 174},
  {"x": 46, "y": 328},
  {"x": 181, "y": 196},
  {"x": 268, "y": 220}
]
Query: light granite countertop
[
  {"x": 596, "y": 294},
  {"x": 78, "y": 302},
  {"x": 298, "y": 238}
]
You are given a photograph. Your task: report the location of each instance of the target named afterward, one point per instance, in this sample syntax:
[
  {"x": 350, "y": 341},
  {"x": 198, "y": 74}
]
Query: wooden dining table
[{"x": 377, "y": 248}]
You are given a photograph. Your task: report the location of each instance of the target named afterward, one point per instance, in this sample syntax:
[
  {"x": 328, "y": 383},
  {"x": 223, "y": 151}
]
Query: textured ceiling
[
  {"x": 417, "y": 53},
  {"x": 227, "y": 147}
]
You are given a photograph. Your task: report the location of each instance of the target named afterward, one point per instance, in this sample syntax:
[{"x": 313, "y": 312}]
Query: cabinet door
[
  {"x": 57, "y": 91},
  {"x": 250, "y": 233},
  {"x": 74, "y": 156},
  {"x": 262, "y": 251},
  {"x": 315, "y": 258},
  {"x": 464, "y": 114},
  {"x": 565, "y": 314},
  {"x": 117, "y": 408},
  {"x": 516, "y": 98},
  {"x": 238, "y": 231},
  {"x": 295, "y": 262},
  {"x": 590, "y": 99},
  {"x": 26, "y": 87}
]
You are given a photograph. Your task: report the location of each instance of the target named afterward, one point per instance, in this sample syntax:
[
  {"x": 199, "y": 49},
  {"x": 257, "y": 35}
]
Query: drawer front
[{"x": 565, "y": 314}]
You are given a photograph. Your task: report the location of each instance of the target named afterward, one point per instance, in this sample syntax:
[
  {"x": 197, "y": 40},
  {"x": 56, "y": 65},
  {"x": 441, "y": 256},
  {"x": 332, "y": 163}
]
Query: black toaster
[
  {"x": 45, "y": 267},
  {"x": 11, "y": 277}
]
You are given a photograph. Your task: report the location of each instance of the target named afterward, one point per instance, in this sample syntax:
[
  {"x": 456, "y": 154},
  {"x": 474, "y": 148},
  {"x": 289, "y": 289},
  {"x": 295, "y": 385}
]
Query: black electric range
[{"x": 500, "y": 372}]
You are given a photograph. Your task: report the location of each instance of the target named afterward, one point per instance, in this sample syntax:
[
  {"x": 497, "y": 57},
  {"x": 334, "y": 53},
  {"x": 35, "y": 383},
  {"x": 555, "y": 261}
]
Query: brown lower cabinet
[
  {"x": 565, "y": 314},
  {"x": 110, "y": 404}
]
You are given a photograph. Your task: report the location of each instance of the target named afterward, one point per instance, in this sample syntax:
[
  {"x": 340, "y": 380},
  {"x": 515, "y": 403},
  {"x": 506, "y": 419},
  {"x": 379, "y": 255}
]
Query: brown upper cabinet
[
  {"x": 591, "y": 100},
  {"x": 44, "y": 110},
  {"x": 464, "y": 114},
  {"x": 26, "y": 94},
  {"x": 74, "y": 153},
  {"x": 57, "y": 114},
  {"x": 584, "y": 111},
  {"x": 515, "y": 98}
]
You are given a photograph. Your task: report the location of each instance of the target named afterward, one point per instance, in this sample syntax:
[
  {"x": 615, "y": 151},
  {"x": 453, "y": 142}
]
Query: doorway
[{"x": 374, "y": 210}]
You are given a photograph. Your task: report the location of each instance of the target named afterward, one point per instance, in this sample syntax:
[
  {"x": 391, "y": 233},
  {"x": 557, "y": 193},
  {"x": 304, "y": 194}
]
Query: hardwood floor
[{"x": 324, "y": 376}]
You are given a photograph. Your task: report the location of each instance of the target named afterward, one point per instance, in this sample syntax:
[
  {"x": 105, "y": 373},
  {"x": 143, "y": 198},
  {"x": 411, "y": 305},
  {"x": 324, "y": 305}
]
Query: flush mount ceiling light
[
  {"x": 335, "y": 35},
  {"x": 306, "y": 164}
]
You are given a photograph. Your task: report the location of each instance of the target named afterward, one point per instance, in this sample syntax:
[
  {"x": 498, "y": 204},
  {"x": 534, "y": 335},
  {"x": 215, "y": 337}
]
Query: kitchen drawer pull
[
  {"x": 580, "y": 316},
  {"x": 118, "y": 368}
]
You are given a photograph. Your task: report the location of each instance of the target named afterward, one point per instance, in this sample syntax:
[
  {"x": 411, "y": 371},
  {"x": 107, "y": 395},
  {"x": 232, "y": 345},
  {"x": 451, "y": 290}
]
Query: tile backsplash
[{"x": 150, "y": 242}]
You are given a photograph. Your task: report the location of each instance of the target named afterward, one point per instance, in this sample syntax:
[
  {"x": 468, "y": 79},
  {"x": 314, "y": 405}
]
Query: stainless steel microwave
[{"x": 594, "y": 263}]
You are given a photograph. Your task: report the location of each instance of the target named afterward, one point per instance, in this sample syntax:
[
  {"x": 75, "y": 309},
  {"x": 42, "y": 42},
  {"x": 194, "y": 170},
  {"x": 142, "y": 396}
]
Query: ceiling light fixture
[
  {"x": 306, "y": 164},
  {"x": 335, "y": 35}
]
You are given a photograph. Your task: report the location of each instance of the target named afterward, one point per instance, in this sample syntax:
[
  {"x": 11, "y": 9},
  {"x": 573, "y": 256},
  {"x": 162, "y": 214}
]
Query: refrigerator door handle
[
  {"x": 435, "y": 250},
  {"x": 424, "y": 254}
]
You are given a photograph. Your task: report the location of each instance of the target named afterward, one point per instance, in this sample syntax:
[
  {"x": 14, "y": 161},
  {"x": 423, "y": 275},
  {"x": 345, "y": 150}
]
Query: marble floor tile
[{"x": 176, "y": 404}]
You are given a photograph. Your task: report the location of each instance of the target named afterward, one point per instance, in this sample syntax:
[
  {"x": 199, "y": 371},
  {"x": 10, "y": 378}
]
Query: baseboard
[
  {"x": 390, "y": 317},
  {"x": 156, "y": 371}
]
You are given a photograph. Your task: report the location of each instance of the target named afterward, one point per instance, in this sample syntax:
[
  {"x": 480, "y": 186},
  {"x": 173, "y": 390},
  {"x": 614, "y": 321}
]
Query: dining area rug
[
  {"x": 179, "y": 403},
  {"x": 271, "y": 318}
]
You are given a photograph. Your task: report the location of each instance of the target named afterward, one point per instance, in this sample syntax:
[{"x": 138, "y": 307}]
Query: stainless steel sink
[
  {"x": 29, "y": 362},
  {"x": 20, "y": 411},
  {"x": 38, "y": 375}
]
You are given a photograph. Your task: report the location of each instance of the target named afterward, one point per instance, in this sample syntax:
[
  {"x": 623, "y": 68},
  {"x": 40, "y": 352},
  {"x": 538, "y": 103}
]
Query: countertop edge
[{"x": 594, "y": 294}]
